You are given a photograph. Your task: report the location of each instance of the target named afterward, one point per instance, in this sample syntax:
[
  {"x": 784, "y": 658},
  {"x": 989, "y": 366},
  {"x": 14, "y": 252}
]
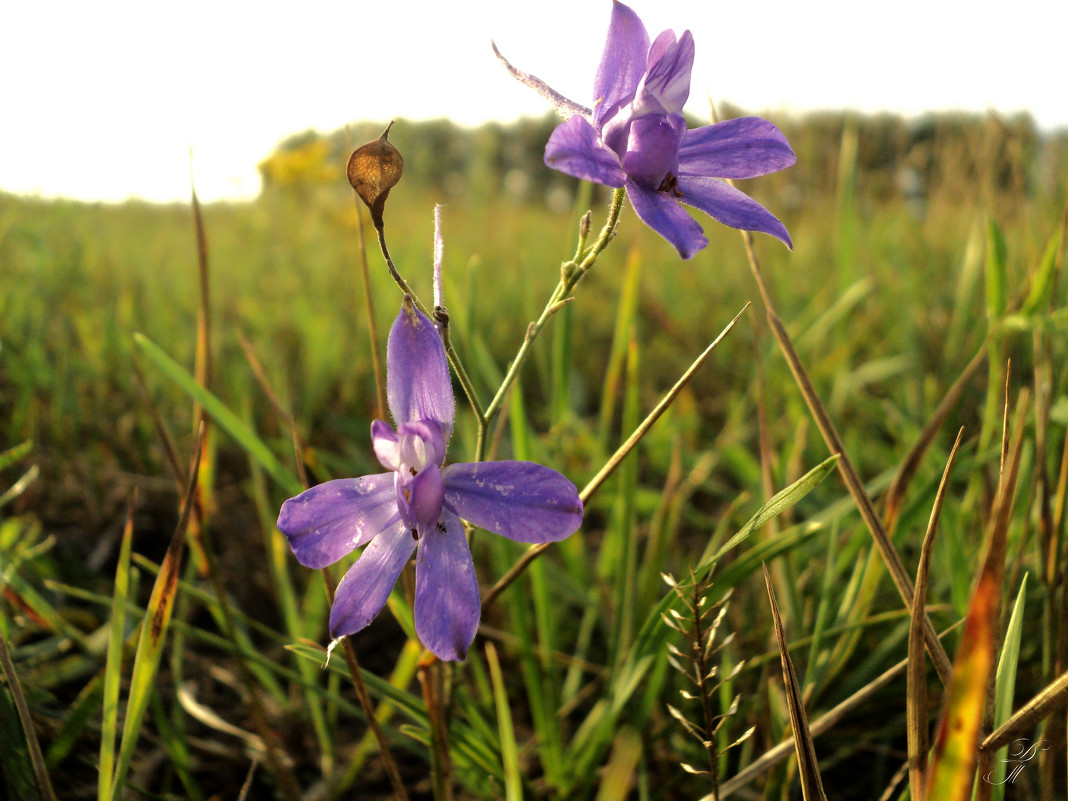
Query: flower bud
[{"x": 373, "y": 170}]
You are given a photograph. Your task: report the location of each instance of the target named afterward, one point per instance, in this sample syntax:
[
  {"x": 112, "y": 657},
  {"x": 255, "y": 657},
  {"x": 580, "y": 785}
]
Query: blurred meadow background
[{"x": 925, "y": 296}]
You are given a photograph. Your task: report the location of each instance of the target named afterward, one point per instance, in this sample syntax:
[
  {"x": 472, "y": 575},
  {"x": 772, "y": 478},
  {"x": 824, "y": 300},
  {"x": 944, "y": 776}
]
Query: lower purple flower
[{"x": 419, "y": 505}]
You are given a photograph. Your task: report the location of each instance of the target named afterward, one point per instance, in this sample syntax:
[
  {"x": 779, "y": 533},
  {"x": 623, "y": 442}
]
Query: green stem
[
  {"x": 571, "y": 273},
  {"x": 372, "y": 323}
]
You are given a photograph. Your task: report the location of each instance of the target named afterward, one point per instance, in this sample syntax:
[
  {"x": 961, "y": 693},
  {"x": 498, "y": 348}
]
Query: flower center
[
  {"x": 411, "y": 449},
  {"x": 670, "y": 185}
]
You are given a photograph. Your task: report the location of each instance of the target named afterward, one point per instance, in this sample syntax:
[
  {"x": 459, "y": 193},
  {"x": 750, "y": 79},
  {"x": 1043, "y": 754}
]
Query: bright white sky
[{"x": 102, "y": 100}]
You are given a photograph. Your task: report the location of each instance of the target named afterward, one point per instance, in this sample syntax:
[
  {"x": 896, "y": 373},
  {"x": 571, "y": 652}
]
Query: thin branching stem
[
  {"x": 372, "y": 320},
  {"x": 571, "y": 273}
]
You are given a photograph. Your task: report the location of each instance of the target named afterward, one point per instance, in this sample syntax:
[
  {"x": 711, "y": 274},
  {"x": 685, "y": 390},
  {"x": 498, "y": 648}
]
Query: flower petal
[
  {"x": 418, "y": 386},
  {"x": 447, "y": 606},
  {"x": 741, "y": 148},
  {"x": 575, "y": 149},
  {"x": 366, "y": 586},
  {"x": 653, "y": 147},
  {"x": 420, "y": 443},
  {"x": 661, "y": 212},
  {"x": 622, "y": 64},
  {"x": 564, "y": 107},
  {"x": 731, "y": 207},
  {"x": 523, "y": 501},
  {"x": 335, "y": 518},
  {"x": 666, "y": 85},
  {"x": 427, "y": 494},
  {"x": 387, "y": 447}
]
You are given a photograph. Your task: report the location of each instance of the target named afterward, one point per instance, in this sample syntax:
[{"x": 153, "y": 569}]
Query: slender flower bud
[{"x": 439, "y": 249}]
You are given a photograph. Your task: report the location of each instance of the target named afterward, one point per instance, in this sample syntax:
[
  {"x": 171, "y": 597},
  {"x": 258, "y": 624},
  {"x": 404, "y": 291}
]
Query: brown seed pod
[{"x": 373, "y": 170}]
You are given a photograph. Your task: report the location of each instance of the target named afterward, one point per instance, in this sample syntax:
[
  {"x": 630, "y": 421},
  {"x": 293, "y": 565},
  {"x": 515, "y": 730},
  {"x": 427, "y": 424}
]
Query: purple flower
[
  {"x": 418, "y": 505},
  {"x": 635, "y": 136}
]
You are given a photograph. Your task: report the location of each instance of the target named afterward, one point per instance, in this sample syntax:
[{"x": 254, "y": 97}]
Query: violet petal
[
  {"x": 384, "y": 441},
  {"x": 447, "y": 606},
  {"x": 668, "y": 80},
  {"x": 652, "y": 148},
  {"x": 662, "y": 212},
  {"x": 335, "y": 518},
  {"x": 564, "y": 107},
  {"x": 418, "y": 386},
  {"x": 731, "y": 206},
  {"x": 426, "y": 498},
  {"x": 740, "y": 148},
  {"x": 419, "y": 443},
  {"x": 575, "y": 149},
  {"x": 623, "y": 63},
  {"x": 366, "y": 586},
  {"x": 523, "y": 501}
]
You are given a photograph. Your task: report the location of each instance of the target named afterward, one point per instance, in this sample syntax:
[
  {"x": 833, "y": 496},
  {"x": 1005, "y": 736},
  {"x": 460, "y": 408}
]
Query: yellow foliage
[{"x": 310, "y": 164}]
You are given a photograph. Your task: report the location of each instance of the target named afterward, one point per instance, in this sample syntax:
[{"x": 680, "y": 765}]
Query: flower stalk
[{"x": 571, "y": 272}]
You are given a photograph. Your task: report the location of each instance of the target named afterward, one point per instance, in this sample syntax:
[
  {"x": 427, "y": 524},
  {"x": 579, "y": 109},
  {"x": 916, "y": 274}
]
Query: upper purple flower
[
  {"x": 418, "y": 505},
  {"x": 636, "y": 137}
]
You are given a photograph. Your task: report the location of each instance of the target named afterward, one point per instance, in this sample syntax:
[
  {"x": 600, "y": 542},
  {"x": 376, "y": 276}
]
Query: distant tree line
[{"x": 949, "y": 155}]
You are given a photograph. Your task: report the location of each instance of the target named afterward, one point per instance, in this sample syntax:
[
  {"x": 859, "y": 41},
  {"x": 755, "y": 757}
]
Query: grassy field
[{"x": 920, "y": 258}]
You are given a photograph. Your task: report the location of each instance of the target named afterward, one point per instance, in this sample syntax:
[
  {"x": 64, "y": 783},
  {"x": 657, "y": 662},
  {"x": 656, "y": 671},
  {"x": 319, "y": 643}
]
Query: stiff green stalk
[{"x": 570, "y": 274}]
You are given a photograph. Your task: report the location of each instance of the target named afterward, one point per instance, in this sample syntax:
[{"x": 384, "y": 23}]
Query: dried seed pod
[{"x": 373, "y": 170}]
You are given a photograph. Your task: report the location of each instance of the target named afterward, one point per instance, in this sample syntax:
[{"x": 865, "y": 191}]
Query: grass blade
[
  {"x": 225, "y": 418},
  {"x": 40, "y": 770},
  {"x": 153, "y": 636},
  {"x": 916, "y": 698},
  {"x": 113, "y": 665},
  {"x": 619, "y": 772},
  {"x": 1051, "y": 699},
  {"x": 513, "y": 785},
  {"x": 996, "y": 271},
  {"x": 1043, "y": 279},
  {"x": 1006, "y": 684},
  {"x": 955, "y": 755},
  {"x": 953, "y": 763},
  {"x": 807, "y": 766}
]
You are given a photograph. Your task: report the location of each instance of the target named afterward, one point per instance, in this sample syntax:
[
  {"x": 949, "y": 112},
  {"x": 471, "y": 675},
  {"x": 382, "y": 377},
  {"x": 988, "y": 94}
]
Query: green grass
[{"x": 885, "y": 307}]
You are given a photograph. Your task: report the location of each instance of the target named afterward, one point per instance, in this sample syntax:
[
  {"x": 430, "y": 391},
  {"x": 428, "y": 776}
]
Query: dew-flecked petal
[
  {"x": 336, "y": 517},
  {"x": 447, "y": 607},
  {"x": 523, "y": 501},
  {"x": 366, "y": 586}
]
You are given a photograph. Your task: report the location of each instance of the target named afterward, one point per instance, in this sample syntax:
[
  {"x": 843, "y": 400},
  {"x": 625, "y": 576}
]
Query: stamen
[{"x": 670, "y": 184}]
